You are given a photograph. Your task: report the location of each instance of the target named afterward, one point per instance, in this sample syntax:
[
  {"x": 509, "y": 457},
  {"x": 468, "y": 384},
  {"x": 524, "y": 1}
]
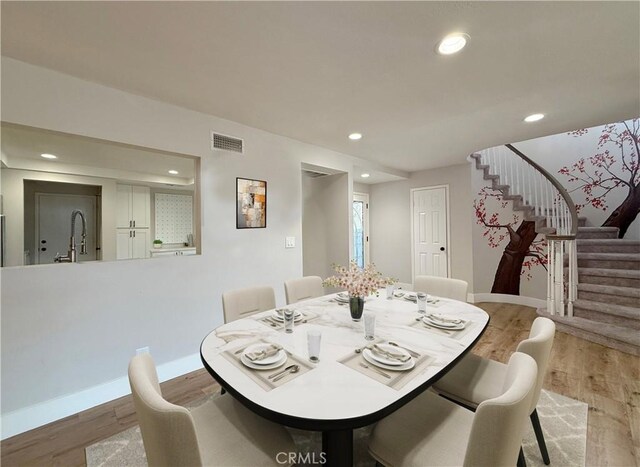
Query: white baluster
[
  {"x": 551, "y": 301},
  {"x": 559, "y": 278}
]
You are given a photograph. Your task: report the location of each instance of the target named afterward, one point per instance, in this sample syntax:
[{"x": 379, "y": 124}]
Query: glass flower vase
[{"x": 356, "y": 306}]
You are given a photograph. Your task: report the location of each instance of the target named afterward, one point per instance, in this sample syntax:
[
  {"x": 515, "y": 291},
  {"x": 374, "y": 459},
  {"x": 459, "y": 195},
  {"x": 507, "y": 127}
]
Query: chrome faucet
[{"x": 71, "y": 256}]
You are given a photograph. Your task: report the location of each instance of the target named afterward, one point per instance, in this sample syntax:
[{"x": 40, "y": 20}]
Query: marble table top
[{"x": 332, "y": 391}]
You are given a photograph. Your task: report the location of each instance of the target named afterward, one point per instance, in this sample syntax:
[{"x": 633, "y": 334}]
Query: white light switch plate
[{"x": 290, "y": 242}]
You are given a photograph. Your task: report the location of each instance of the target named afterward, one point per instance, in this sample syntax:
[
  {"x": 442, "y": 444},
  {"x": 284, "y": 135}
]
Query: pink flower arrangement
[{"x": 358, "y": 282}]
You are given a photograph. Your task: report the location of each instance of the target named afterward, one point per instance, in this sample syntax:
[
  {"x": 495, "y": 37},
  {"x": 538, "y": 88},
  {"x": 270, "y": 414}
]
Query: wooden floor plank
[{"x": 608, "y": 380}]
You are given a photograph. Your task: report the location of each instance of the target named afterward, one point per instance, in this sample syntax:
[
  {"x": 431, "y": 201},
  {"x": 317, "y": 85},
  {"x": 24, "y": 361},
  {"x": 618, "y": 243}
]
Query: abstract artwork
[{"x": 251, "y": 203}]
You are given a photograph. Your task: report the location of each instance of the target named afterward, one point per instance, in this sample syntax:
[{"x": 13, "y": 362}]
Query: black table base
[{"x": 338, "y": 447}]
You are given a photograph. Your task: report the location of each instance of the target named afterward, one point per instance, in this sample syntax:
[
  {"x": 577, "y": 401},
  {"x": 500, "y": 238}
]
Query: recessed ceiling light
[
  {"x": 48, "y": 156},
  {"x": 174, "y": 172},
  {"x": 534, "y": 118},
  {"x": 452, "y": 43},
  {"x": 355, "y": 136},
  {"x": 365, "y": 175}
]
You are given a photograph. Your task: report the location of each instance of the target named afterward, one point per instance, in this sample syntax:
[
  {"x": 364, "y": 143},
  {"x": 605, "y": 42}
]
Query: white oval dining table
[{"x": 331, "y": 396}]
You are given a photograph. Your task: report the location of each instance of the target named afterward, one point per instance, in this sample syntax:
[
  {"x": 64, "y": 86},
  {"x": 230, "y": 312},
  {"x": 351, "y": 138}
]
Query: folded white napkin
[
  {"x": 258, "y": 355},
  {"x": 400, "y": 356},
  {"x": 444, "y": 319}
]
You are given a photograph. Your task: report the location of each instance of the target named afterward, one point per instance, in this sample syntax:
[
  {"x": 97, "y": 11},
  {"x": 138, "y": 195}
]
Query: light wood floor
[{"x": 606, "y": 379}]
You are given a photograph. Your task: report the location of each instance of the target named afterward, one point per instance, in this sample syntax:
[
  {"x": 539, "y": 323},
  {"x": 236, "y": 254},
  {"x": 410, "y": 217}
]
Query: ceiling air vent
[{"x": 226, "y": 143}]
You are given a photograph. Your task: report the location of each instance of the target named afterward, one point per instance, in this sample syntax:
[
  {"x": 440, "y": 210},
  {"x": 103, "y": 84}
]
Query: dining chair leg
[
  {"x": 537, "y": 428},
  {"x": 521, "y": 460}
]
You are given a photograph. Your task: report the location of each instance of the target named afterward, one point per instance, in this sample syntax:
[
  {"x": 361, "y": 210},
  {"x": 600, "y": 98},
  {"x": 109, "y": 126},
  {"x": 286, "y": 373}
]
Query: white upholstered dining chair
[
  {"x": 442, "y": 287},
  {"x": 303, "y": 288},
  {"x": 240, "y": 303},
  {"x": 432, "y": 431},
  {"x": 220, "y": 432},
  {"x": 476, "y": 379}
]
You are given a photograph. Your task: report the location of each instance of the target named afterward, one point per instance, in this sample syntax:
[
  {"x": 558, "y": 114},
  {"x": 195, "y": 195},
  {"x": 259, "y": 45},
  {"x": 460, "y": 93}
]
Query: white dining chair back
[
  {"x": 538, "y": 346},
  {"x": 455, "y": 289},
  {"x": 168, "y": 431},
  {"x": 219, "y": 431},
  {"x": 241, "y": 303},
  {"x": 498, "y": 424},
  {"x": 303, "y": 288},
  {"x": 431, "y": 430}
]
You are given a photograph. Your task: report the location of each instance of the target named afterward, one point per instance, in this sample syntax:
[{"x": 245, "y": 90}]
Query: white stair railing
[{"x": 545, "y": 201}]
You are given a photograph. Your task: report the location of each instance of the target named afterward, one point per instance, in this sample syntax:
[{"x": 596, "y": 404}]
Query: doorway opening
[
  {"x": 361, "y": 229},
  {"x": 48, "y": 207}
]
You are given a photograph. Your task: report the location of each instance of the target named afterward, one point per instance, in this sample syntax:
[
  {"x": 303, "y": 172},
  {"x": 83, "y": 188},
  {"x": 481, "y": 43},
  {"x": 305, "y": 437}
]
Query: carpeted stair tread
[
  {"x": 609, "y": 308},
  {"x": 618, "y": 337},
  {"x": 597, "y": 229},
  {"x": 607, "y": 245},
  {"x": 613, "y": 277},
  {"x": 611, "y": 290},
  {"x": 603, "y": 272},
  {"x": 597, "y": 232},
  {"x": 611, "y": 256}
]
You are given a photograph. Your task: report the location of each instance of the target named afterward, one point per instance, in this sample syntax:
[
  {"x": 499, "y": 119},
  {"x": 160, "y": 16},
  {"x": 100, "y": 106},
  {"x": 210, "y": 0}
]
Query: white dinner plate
[
  {"x": 386, "y": 360},
  {"x": 442, "y": 325},
  {"x": 366, "y": 353},
  {"x": 281, "y": 361},
  {"x": 297, "y": 316},
  {"x": 264, "y": 361}
]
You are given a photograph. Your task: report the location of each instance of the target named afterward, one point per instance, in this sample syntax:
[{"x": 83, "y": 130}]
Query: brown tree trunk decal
[
  {"x": 596, "y": 176},
  {"x": 522, "y": 251},
  {"x": 626, "y": 213},
  {"x": 507, "y": 278}
]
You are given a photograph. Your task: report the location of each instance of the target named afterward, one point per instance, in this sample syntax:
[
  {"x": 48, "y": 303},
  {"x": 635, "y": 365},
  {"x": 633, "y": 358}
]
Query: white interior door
[
  {"x": 430, "y": 232},
  {"x": 53, "y": 225},
  {"x": 361, "y": 229}
]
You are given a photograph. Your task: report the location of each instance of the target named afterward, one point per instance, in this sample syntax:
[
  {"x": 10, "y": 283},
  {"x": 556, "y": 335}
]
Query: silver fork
[{"x": 380, "y": 372}]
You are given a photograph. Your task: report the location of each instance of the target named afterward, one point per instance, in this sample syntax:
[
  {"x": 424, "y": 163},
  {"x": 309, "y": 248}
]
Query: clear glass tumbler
[
  {"x": 288, "y": 321},
  {"x": 369, "y": 326},
  {"x": 313, "y": 342},
  {"x": 422, "y": 302}
]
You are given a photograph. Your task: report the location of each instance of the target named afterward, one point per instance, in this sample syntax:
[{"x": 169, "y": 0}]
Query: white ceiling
[
  {"x": 317, "y": 71},
  {"x": 22, "y": 148}
]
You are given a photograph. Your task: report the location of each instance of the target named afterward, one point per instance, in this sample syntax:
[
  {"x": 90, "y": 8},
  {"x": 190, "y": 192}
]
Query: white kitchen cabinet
[
  {"x": 133, "y": 206},
  {"x": 132, "y": 243}
]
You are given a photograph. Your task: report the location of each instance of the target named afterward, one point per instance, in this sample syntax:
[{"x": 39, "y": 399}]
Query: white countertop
[
  {"x": 179, "y": 248},
  {"x": 333, "y": 391}
]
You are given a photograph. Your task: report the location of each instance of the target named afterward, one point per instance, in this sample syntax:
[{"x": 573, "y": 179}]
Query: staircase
[
  {"x": 593, "y": 286},
  {"x": 607, "y": 309}
]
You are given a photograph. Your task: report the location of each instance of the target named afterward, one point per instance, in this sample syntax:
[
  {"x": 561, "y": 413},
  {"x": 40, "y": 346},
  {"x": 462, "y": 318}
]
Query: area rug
[{"x": 563, "y": 420}]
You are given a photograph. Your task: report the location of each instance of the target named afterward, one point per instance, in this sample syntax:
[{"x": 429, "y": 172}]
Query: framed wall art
[{"x": 251, "y": 210}]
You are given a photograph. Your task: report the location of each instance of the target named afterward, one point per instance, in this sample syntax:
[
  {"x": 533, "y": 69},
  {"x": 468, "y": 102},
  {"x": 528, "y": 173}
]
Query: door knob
[{"x": 441, "y": 248}]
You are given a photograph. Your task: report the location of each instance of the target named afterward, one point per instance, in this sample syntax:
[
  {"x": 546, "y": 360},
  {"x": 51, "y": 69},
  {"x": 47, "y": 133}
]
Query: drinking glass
[
  {"x": 422, "y": 302},
  {"x": 288, "y": 321},
  {"x": 313, "y": 342},
  {"x": 390, "y": 290},
  {"x": 369, "y": 326}
]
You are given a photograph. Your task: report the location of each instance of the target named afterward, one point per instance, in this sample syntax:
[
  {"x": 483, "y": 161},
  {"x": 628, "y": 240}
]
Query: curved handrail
[{"x": 563, "y": 192}]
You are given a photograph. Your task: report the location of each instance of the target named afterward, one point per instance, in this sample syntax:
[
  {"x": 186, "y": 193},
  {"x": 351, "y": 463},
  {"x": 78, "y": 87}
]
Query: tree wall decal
[
  {"x": 523, "y": 250},
  {"x": 615, "y": 165}
]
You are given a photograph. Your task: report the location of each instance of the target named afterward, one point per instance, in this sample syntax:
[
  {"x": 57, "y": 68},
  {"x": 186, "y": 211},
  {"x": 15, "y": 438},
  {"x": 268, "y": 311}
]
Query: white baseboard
[
  {"x": 505, "y": 298},
  {"x": 28, "y": 418}
]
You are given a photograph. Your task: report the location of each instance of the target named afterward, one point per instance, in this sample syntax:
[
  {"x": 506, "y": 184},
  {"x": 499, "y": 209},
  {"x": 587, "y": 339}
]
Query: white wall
[
  {"x": 326, "y": 210},
  {"x": 556, "y": 151},
  {"x": 71, "y": 327},
  {"x": 390, "y": 222}
]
